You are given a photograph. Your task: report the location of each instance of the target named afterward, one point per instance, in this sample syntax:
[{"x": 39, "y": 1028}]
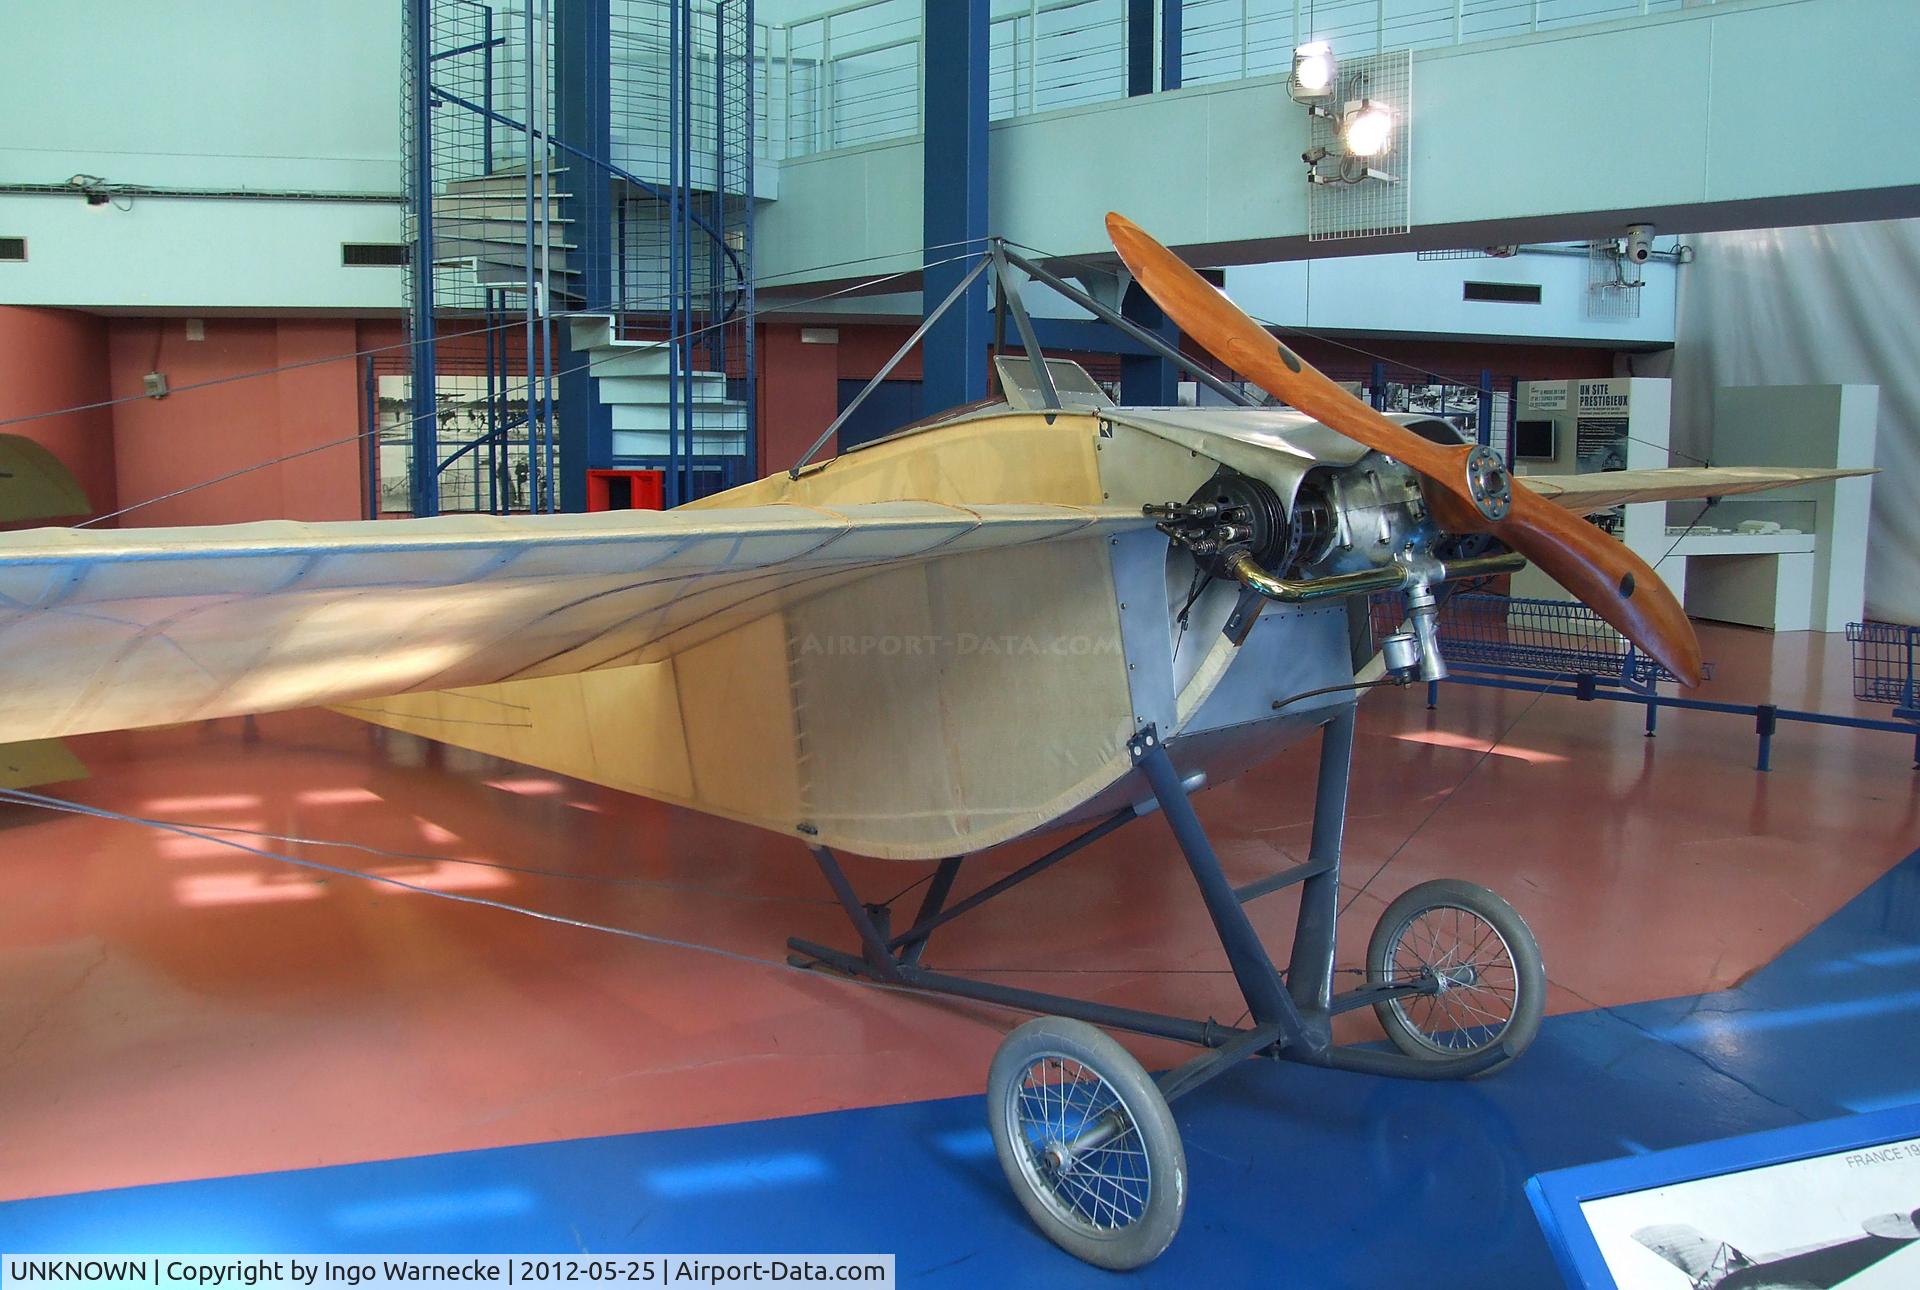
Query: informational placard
[
  {"x": 1546, "y": 396},
  {"x": 1829, "y": 1204},
  {"x": 1819, "y": 1221},
  {"x": 1601, "y": 413}
]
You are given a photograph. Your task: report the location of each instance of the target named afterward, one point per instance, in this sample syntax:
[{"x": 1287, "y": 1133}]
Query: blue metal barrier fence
[{"x": 1564, "y": 648}]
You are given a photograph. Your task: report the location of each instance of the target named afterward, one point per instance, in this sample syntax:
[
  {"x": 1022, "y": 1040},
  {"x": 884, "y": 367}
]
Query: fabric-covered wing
[
  {"x": 106, "y": 630},
  {"x": 34, "y": 485},
  {"x": 1603, "y": 490}
]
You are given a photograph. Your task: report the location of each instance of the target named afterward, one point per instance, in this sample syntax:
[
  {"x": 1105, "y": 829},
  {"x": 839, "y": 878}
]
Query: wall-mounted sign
[{"x": 1546, "y": 396}]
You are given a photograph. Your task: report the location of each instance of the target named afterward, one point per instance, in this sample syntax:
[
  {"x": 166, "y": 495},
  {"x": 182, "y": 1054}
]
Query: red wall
[
  {"x": 800, "y": 384},
  {"x": 194, "y": 435},
  {"x": 799, "y": 396},
  {"x": 140, "y": 449},
  {"x": 270, "y": 388},
  {"x": 52, "y": 359}
]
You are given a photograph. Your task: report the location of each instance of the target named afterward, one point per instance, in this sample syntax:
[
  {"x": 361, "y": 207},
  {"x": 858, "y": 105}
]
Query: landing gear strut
[{"x": 1085, "y": 1135}]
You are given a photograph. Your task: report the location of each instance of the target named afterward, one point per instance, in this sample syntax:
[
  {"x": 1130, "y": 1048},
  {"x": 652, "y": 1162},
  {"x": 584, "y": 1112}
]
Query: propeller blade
[
  {"x": 1465, "y": 494},
  {"x": 1606, "y": 575}
]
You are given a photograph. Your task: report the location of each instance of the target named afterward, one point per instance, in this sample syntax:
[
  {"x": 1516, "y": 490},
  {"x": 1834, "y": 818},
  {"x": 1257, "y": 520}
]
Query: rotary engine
[
  {"x": 1347, "y": 531},
  {"x": 1367, "y": 516}
]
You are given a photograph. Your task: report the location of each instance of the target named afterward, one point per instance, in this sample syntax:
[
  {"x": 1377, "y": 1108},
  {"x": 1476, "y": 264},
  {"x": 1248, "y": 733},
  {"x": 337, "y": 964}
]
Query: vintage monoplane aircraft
[
  {"x": 1715, "y": 1265},
  {"x": 1037, "y": 612}
]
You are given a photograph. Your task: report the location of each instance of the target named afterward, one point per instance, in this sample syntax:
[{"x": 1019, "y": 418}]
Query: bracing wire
[
  {"x": 564, "y": 875},
  {"x": 863, "y": 285},
  {"x": 1507, "y": 733},
  {"x": 516, "y": 323},
  {"x": 64, "y": 806},
  {"x": 1320, "y": 337},
  {"x": 588, "y": 366},
  {"x": 67, "y": 807}
]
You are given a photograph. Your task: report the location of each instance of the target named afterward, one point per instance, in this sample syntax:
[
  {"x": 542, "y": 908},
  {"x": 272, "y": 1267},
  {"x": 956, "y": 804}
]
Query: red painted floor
[{"x": 176, "y": 1008}]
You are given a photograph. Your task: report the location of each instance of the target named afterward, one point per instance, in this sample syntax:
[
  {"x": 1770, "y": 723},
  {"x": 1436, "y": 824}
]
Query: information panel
[{"x": 1818, "y": 1205}]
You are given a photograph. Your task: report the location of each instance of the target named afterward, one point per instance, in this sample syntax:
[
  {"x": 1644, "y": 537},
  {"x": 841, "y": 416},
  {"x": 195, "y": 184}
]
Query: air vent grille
[
  {"x": 1506, "y": 293},
  {"x": 382, "y": 255},
  {"x": 13, "y": 248}
]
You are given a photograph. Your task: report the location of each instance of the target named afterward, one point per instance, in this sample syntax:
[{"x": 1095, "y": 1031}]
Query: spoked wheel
[
  {"x": 1087, "y": 1142},
  {"x": 1477, "y": 967}
]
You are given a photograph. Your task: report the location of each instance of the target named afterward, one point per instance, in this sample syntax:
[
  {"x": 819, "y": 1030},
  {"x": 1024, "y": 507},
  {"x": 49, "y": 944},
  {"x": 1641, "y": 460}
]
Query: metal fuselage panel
[{"x": 1223, "y": 697}]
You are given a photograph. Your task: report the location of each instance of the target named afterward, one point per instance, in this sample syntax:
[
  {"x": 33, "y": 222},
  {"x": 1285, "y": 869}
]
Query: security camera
[{"x": 1639, "y": 243}]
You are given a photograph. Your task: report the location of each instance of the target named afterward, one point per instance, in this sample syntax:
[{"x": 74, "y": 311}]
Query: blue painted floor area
[{"x": 1298, "y": 1176}]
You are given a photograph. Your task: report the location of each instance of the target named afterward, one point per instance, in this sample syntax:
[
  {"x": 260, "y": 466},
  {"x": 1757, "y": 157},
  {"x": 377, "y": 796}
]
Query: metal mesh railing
[
  {"x": 853, "y": 75},
  {"x": 481, "y": 191},
  {"x": 484, "y": 219},
  {"x": 1886, "y": 662},
  {"x": 1557, "y": 637},
  {"x": 652, "y": 228},
  {"x": 684, "y": 102}
]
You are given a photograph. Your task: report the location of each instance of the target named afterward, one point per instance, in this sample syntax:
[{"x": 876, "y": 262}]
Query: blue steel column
[
  {"x": 425, "y": 410},
  {"x": 747, "y": 304},
  {"x": 1139, "y": 47},
  {"x": 954, "y": 224},
  {"x": 1146, "y": 379},
  {"x": 675, "y": 294},
  {"x": 370, "y": 444},
  {"x": 584, "y": 119},
  {"x": 1172, "y": 31},
  {"x": 1141, "y": 31}
]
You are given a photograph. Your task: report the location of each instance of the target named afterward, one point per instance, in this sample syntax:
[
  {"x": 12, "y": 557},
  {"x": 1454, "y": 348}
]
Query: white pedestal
[
  {"x": 1771, "y": 591},
  {"x": 1807, "y": 425}
]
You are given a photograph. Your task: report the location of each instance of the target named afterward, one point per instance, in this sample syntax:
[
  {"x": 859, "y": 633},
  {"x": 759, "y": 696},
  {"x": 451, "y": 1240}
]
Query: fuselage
[{"x": 923, "y": 708}]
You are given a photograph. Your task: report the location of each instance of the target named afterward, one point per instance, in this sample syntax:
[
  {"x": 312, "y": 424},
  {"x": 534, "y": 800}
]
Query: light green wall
[
  {"x": 200, "y": 94},
  {"x": 1730, "y": 116}
]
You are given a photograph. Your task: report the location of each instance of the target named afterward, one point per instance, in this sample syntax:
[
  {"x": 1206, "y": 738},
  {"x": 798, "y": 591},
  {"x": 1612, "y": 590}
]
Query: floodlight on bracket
[
  {"x": 1362, "y": 130},
  {"x": 1359, "y": 151},
  {"x": 1315, "y": 72}
]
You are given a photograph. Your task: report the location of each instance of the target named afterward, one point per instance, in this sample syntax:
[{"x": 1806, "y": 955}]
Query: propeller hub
[{"x": 1488, "y": 483}]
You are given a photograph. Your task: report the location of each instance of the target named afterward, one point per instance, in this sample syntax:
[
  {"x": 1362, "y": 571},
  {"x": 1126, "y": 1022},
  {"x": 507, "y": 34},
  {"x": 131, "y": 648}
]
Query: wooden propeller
[{"x": 1467, "y": 489}]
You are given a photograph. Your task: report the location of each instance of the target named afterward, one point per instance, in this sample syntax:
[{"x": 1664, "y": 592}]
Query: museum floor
[{"x": 181, "y": 1009}]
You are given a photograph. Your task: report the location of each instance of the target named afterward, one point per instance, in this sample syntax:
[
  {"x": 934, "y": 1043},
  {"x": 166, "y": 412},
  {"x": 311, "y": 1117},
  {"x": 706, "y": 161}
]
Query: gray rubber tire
[
  {"x": 1119, "y": 1248},
  {"x": 1530, "y": 976}
]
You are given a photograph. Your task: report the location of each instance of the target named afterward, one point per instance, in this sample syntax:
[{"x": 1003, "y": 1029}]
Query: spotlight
[
  {"x": 1367, "y": 130},
  {"x": 1313, "y": 68}
]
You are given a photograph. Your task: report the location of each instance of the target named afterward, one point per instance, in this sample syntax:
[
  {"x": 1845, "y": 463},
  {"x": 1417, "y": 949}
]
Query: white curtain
[{"x": 1833, "y": 304}]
